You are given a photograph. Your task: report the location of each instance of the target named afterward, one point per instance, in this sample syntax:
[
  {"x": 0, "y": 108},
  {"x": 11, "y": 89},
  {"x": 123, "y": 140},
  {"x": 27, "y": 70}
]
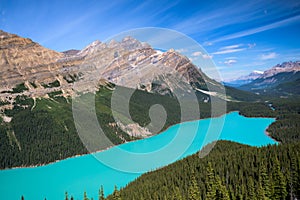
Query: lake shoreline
[
  {"x": 90, "y": 153},
  {"x": 116, "y": 167}
]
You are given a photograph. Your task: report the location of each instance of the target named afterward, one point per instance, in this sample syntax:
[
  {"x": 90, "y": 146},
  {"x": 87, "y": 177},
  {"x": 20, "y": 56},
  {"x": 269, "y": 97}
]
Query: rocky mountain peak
[
  {"x": 128, "y": 63},
  {"x": 9, "y": 40},
  {"x": 256, "y": 72},
  {"x": 4, "y": 35},
  {"x": 71, "y": 52},
  {"x": 280, "y": 68},
  {"x": 113, "y": 44},
  {"x": 94, "y": 46},
  {"x": 130, "y": 43}
]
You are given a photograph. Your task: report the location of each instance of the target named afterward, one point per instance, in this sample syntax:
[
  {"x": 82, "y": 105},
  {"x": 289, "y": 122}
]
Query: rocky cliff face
[
  {"x": 129, "y": 63},
  {"x": 27, "y": 68},
  {"x": 26, "y": 63},
  {"x": 22, "y": 59}
]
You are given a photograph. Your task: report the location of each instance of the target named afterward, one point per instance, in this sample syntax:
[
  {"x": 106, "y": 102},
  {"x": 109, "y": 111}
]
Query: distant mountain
[
  {"x": 244, "y": 79},
  {"x": 282, "y": 79},
  {"x": 71, "y": 52}
]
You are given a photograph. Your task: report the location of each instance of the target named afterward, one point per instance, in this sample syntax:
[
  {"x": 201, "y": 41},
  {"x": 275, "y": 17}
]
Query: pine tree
[
  {"x": 294, "y": 182},
  {"x": 265, "y": 182},
  {"x": 221, "y": 190},
  {"x": 177, "y": 194},
  {"x": 101, "y": 193},
  {"x": 85, "y": 196},
  {"x": 210, "y": 183},
  {"x": 260, "y": 192},
  {"x": 66, "y": 196},
  {"x": 116, "y": 194},
  {"x": 251, "y": 189},
  {"x": 193, "y": 190},
  {"x": 279, "y": 184}
]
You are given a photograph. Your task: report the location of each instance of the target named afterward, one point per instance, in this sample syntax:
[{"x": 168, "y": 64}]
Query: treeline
[
  {"x": 286, "y": 128},
  {"x": 44, "y": 131},
  {"x": 231, "y": 171}
]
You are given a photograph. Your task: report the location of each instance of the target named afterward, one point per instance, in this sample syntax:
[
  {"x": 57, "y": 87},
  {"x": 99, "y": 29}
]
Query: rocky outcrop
[
  {"x": 22, "y": 59},
  {"x": 129, "y": 63}
]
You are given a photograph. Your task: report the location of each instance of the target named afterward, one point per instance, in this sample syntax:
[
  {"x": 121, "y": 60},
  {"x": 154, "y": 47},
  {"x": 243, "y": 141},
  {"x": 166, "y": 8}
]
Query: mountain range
[
  {"x": 242, "y": 80},
  {"x": 282, "y": 79},
  {"x": 127, "y": 63}
]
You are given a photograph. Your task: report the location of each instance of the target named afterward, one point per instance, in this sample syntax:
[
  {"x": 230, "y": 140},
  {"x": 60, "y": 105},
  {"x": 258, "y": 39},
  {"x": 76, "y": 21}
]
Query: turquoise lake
[{"x": 124, "y": 163}]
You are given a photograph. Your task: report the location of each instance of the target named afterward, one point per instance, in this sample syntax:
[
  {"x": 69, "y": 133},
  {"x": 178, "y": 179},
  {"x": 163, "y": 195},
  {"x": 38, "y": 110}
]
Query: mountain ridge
[
  {"x": 286, "y": 74},
  {"x": 130, "y": 63}
]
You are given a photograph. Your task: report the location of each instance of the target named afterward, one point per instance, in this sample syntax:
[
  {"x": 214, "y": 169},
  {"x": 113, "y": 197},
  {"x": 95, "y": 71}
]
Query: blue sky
[{"x": 241, "y": 36}]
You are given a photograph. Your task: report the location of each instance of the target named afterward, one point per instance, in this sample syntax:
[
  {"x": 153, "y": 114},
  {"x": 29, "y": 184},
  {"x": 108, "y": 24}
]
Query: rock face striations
[
  {"x": 128, "y": 63},
  {"x": 22, "y": 59}
]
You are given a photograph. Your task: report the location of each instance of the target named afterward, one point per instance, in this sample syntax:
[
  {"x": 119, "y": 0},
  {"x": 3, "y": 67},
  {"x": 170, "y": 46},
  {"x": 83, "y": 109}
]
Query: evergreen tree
[
  {"x": 294, "y": 179},
  {"x": 85, "y": 196},
  {"x": 265, "y": 182},
  {"x": 251, "y": 189},
  {"x": 193, "y": 190},
  {"x": 210, "y": 183},
  {"x": 177, "y": 194},
  {"x": 221, "y": 191},
  {"x": 116, "y": 194},
  {"x": 260, "y": 192},
  {"x": 279, "y": 184},
  {"x": 101, "y": 193},
  {"x": 66, "y": 196}
]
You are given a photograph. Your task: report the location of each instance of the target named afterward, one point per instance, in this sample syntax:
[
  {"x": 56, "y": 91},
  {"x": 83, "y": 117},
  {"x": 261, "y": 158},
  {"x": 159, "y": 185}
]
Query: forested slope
[{"x": 230, "y": 171}]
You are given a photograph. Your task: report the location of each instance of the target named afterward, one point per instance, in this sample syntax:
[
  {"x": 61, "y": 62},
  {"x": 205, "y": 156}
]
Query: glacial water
[{"x": 122, "y": 164}]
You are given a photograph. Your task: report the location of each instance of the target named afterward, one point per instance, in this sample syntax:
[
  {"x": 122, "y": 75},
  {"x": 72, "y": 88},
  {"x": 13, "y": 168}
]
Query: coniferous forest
[{"x": 230, "y": 171}]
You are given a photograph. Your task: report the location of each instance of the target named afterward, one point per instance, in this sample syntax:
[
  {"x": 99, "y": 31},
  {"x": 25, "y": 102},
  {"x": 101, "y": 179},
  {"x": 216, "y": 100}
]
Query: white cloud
[
  {"x": 231, "y": 47},
  {"x": 251, "y": 45},
  {"x": 207, "y": 44},
  {"x": 181, "y": 50},
  {"x": 228, "y": 58},
  {"x": 206, "y": 56},
  {"x": 199, "y": 53},
  {"x": 268, "y": 56},
  {"x": 196, "y": 54},
  {"x": 226, "y": 51},
  {"x": 230, "y": 62},
  {"x": 259, "y": 29}
]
